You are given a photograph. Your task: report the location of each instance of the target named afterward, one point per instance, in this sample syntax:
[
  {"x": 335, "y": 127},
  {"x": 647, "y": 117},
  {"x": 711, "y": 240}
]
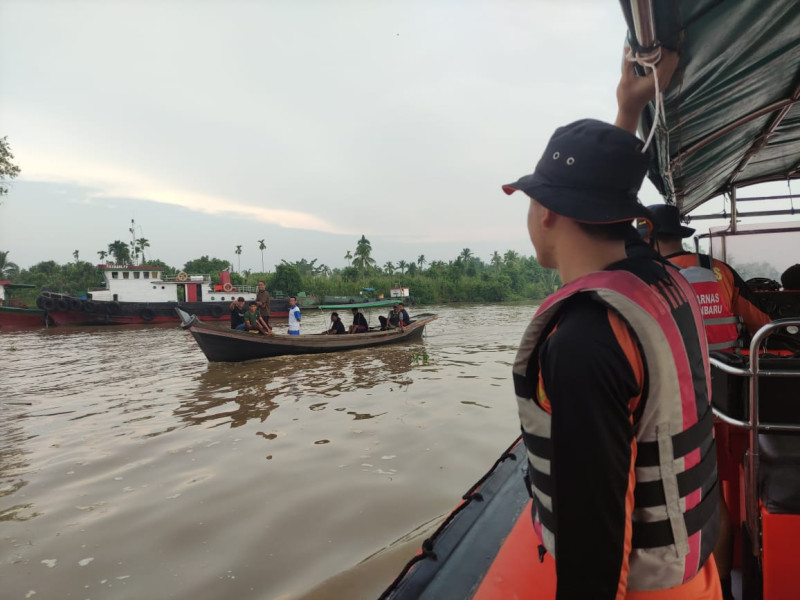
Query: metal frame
[{"x": 754, "y": 425}]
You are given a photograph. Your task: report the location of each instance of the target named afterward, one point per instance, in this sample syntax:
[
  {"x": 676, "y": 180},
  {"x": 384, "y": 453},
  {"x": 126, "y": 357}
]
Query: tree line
[{"x": 465, "y": 278}]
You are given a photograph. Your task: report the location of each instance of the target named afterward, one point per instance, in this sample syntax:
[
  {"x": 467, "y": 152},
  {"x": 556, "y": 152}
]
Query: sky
[{"x": 307, "y": 124}]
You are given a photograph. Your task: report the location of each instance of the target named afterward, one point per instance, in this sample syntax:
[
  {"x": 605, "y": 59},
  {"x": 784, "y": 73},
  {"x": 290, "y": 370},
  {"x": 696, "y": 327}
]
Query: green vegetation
[
  {"x": 7, "y": 168},
  {"x": 466, "y": 278}
]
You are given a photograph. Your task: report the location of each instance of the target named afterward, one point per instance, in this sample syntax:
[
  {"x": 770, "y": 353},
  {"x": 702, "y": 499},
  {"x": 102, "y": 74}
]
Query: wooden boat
[
  {"x": 222, "y": 344},
  {"x": 145, "y": 294},
  {"x": 732, "y": 120},
  {"x": 14, "y": 315}
]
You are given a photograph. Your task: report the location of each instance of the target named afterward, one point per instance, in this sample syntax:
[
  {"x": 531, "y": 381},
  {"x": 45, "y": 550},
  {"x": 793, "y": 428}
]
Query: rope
[{"x": 659, "y": 97}]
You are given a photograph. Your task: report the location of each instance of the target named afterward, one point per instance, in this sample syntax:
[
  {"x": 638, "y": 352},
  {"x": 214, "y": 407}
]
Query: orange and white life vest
[
  {"x": 722, "y": 326},
  {"x": 675, "y": 516}
]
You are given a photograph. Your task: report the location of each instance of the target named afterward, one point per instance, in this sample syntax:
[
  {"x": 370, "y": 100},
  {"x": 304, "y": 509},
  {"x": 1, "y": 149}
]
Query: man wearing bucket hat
[
  {"x": 611, "y": 380},
  {"x": 724, "y": 295}
]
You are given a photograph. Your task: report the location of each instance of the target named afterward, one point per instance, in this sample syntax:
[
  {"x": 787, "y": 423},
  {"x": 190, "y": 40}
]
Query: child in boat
[{"x": 254, "y": 321}]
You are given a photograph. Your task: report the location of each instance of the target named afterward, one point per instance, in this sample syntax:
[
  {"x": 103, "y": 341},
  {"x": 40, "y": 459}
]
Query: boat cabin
[{"x": 142, "y": 283}]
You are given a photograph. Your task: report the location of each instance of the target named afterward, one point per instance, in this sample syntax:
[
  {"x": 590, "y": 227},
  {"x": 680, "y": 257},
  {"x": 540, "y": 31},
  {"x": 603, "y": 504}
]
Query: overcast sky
[{"x": 305, "y": 123}]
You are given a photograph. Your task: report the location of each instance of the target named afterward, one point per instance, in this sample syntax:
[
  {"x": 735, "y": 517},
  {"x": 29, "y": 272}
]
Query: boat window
[
  {"x": 125, "y": 275},
  {"x": 155, "y": 274},
  {"x": 146, "y": 274},
  {"x": 136, "y": 274},
  {"x": 114, "y": 275}
]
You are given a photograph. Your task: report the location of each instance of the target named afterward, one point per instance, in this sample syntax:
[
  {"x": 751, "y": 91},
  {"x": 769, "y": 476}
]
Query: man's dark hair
[
  {"x": 253, "y": 303},
  {"x": 607, "y": 231},
  {"x": 790, "y": 278},
  {"x": 240, "y": 299}
]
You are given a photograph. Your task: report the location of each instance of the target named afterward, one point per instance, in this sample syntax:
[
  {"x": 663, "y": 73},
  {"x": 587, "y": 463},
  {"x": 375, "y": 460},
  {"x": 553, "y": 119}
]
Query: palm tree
[
  {"x": 348, "y": 257},
  {"x": 262, "y": 246},
  {"x": 511, "y": 257},
  {"x": 388, "y": 267},
  {"x": 401, "y": 264},
  {"x": 496, "y": 260},
  {"x": 120, "y": 251},
  {"x": 362, "y": 259},
  {"x": 465, "y": 255},
  {"x": 8, "y": 269},
  {"x": 239, "y": 255},
  {"x": 102, "y": 254},
  {"x": 141, "y": 244},
  {"x": 421, "y": 261},
  {"x": 75, "y": 254}
]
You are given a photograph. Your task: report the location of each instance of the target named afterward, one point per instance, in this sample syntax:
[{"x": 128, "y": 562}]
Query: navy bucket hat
[
  {"x": 667, "y": 221},
  {"x": 591, "y": 172}
]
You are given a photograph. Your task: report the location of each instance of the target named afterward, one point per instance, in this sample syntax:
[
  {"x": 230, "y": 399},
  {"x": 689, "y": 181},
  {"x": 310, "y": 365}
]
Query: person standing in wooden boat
[
  {"x": 294, "y": 316},
  {"x": 612, "y": 385},
  {"x": 263, "y": 300}
]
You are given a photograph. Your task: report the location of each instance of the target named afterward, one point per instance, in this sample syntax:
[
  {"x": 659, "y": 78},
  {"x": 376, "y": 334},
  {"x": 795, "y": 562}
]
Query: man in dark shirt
[
  {"x": 337, "y": 327},
  {"x": 391, "y": 320},
  {"x": 610, "y": 370},
  {"x": 237, "y": 314},
  {"x": 403, "y": 315},
  {"x": 359, "y": 322}
]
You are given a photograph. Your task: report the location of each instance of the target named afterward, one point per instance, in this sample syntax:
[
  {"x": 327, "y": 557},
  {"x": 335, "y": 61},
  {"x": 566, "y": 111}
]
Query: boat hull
[
  {"x": 226, "y": 345},
  {"x": 69, "y": 310},
  {"x": 21, "y": 318}
]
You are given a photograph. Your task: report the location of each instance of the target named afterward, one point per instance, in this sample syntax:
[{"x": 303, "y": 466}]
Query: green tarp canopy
[
  {"x": 360, "y": 304},
  {"x": 732, "y": 113}
]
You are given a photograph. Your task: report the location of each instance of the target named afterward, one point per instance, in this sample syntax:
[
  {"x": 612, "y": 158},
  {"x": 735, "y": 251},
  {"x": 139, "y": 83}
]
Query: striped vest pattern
[{"x": 675, "y": 520}]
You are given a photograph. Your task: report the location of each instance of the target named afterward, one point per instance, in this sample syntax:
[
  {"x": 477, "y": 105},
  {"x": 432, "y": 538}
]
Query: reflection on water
[
  {"x": 235, "y": 393},
  {"x": 130, "y": 467}
]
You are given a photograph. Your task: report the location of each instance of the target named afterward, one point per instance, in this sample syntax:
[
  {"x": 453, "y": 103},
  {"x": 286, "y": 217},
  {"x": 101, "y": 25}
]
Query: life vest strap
[
  {"x": 682, "y": 443},
  {"x": 538, "y": 445},
  {"x": 651, "y": 493},
  {"x": 659, "y": 533}
]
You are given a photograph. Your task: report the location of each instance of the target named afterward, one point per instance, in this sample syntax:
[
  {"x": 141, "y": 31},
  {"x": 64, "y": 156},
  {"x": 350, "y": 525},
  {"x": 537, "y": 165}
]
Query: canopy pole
[
  {"x": 733, "y": 210},
  {"x": 644, "y": 29}
]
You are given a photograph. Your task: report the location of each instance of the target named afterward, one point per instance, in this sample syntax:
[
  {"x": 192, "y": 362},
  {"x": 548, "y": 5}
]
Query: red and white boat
[
  {"x": 145, "y": 294},
  {"x": 15, "y": 315}
]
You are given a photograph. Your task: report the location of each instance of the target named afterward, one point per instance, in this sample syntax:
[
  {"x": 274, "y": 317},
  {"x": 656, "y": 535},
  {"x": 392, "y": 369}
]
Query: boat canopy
[
  {"x": 357, "y": 305},
  {"x": 731, "y": 114}
]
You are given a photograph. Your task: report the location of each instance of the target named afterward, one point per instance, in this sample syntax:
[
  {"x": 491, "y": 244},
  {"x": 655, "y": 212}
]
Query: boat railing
[{"x": 753, "y": 424}]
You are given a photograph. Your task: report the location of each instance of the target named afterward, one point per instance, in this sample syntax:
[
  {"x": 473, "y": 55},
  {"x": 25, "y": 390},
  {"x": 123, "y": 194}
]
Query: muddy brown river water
[{"x": 131, "y": 468}]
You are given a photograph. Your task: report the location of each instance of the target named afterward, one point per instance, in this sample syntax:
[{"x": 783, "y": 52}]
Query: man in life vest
[
  {"x": 725, "y": 299},
  {"x": 612, "y": 386},
  {"x": 729, "y": 315}
]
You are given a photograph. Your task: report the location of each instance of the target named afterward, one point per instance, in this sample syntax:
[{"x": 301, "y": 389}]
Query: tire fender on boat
[
  {"x": 75, "y": 304},
  {"x": 217, "y": 311},
  {"x": 147, "y": 314},
  {"x": 113, "y": 308},
  {"x": 89, "y": 306},
  {"x": 182, "y": 276},
  {"x": 62, "y": 304},
  {"x": 40, "y": 302}
]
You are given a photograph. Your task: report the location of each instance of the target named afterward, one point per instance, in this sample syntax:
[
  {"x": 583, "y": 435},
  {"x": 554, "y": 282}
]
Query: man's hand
[{"x": 634, "y": 91}]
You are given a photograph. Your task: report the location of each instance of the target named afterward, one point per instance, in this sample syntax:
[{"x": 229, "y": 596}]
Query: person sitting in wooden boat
[
  {"x": 238, "y": 311},
  {"x": 359, "y": 322},
  {"x": 391, "y": 320},
  {"x": 403, "y": 314},
  {"x": 337, "y": 327},
  {"x": 254, "y": 321}
]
